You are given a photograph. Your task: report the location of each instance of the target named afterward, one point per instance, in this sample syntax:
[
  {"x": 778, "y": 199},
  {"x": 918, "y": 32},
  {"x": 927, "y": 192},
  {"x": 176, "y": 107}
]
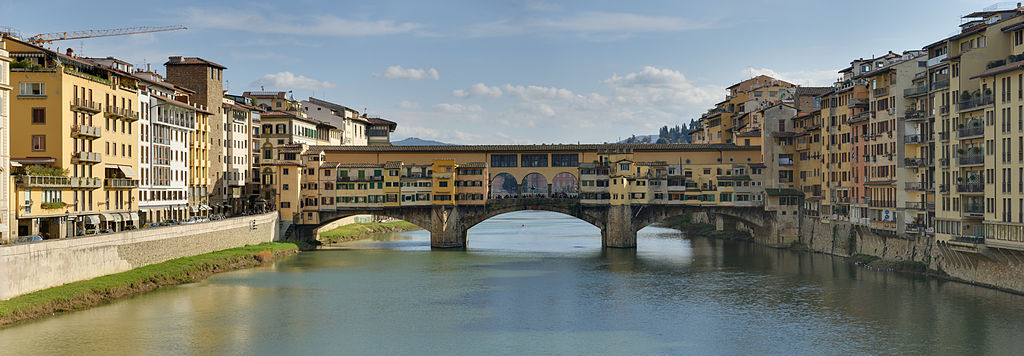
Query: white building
[
  {"x": 353, "y": 126},
  {"x": 6, "y": 215},
  {"x": 236, "y": 160},
  {"x": 166, "y": 123}
]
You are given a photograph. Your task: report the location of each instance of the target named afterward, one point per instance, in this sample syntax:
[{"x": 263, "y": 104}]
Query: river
[{"x": 539, "y": 283}]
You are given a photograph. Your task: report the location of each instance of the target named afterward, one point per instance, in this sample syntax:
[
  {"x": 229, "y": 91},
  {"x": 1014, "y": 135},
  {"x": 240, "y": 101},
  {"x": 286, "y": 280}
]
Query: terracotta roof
[
  {"x": 812, "y": 91},
  {"x": 681, "y": 147},
  {"x": 379, "y": 121},
  {"x": 783, "y": 192},
  {"x": 751, "y": 133},
  {"x": 329, "y": 165},
  {"x": 178, "y": 60},
  {"x": 1000, "y": 69},
  {"x": 393, "y": 164},
  {"x": 360, "y": 165},
  {"x": 473, "y": 165},
  {"x": 783, "y": 134}
]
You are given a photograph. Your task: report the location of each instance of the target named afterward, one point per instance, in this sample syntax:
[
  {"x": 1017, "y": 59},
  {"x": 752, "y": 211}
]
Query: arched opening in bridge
[
  {"x": 565, "y": 184},
  {"x": 534, "y": 184},
  {"x": 534, "y": 230},
  {"x": 504, "y": 185},
  {"x": 354, "y": 227}
]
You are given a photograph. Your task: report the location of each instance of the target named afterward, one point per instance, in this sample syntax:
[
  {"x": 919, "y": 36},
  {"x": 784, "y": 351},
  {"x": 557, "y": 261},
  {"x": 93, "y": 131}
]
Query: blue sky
[{"x": 536, "y": 71}]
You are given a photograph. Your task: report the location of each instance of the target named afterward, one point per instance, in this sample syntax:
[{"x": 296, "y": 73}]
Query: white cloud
[
  {"x": 288, "y": 80},
  {"x": 398, "y": 72},
  {"x": 458, "y": 108},
  {"x": 654, "y": 85},
  {"x": 596, "y": 25},
  {"x": 478, "y": 90},
  {"x": 533, "y": 92},
  {"x": 409, "y": 105},
  {"x": 315, "y": 24},
  {"x": 804, "y": 77}
]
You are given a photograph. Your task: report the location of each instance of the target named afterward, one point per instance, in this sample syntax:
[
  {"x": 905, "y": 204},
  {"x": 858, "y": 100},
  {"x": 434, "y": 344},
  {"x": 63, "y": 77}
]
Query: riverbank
[
  {"x": 917, "y": 256},
  {"x": 89, "y": 293},
  {"x": 358, "y": 231}
]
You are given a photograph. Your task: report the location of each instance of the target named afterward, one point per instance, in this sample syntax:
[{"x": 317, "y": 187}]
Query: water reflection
[{"x": 541, "y": 283}]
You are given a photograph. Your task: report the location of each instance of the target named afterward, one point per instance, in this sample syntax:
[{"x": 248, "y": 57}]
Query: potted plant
[{"x": 960, "y": 150}]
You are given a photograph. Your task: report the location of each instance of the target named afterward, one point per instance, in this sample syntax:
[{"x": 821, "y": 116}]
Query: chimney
[{"x": 71, "y": 52}]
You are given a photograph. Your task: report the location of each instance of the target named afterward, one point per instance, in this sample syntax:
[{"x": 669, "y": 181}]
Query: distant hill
[
  {"x": 413, "y": 141},
  {"x": 641, "y": 139}
]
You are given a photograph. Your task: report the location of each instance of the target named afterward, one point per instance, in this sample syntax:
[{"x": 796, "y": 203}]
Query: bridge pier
[
  {"x": 618, "y": 231},
  {"x": 448, "y": 238}
]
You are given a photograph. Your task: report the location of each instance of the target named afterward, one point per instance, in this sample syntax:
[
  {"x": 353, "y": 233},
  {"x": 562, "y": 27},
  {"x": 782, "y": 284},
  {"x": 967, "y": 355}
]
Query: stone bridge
[{"x": 448, "y": 225}]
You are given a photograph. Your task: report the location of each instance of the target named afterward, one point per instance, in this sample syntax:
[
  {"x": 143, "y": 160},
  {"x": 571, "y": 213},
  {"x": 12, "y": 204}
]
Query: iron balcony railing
[
  {"x": 915, "y": 162},
  {"x": 970, "y": 188},
  {"x": 971, "y": 159},
  {"x": 917, "y": 205},
  {"x": 875, "y": 203},
  {"x": 974, "y": 209},
  {"x": 916, "y": 186},
  {"x": 970, "y": 131},
  {"x": 914, "y": 115},
  {"x": 89, "y": 106},
  {"x": 914, "y": 138},
  {"x": 883, "y": 91},
  {"x": 940, "y": 84},
  {"x": 918, "y": 90},
  {"x": 121, "y": 183},
  {"x": 969, "y": 104},
  {"x": 976, "y": 240}
]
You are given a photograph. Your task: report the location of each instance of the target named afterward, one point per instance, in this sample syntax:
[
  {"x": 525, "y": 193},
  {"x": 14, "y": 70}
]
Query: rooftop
[
  {"x": 682, "y": 147},
  {"x": 179, "y": 60}
]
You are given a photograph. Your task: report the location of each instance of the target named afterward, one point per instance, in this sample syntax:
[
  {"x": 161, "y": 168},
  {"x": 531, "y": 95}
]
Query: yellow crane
[{"x": 44, "y": 38}]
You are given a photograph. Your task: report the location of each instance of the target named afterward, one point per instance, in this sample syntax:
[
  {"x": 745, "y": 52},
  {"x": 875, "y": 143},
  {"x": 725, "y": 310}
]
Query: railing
[
  {"x": 972, "y": 159},
  {"x": 881, "y": 91},
  {"x": 944, "y": 162},
  {"x": 87, "y": 131},
  {"x": 121, "y": 183},
  {"x": 917, "y": 205},
  {"x": 874, "y": 203},
  {"x": 940, "y": 84},
  {"x": 915, "y": 162},
  {"x": 57, "y": 182},
  {"x": 858, "y": 103},
  {"x": 917, "y": 186},
  {"x": 123, "y": 113},
  {"x": 971, "y": 131},
  {"x": 976, "y": 240},
  {"x": 91, "y": 157},
  {"x": 918, "y": 90},
  {"x": 944, "y": 135},
  {"x": 81, "y": 104},
  {"x": 913, "y": 115},
  {"x": 943, "y": 188},
  {"x": 943, "y": 109},
  {"x": 841, "y": 200},
  {"x": 970, "y": 188},
  {"x": 915, "y": 138},
  {"x": 974, "y": 209},
  {"x": 936, "y": 60},
  {"x": 916, "y": 229},
  {"x": 976, "y": 102}
]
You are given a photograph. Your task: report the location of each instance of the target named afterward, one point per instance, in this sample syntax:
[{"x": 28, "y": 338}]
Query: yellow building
[
  {"x": 7, "y": 218},
  {"x": 77, "y": 144}
]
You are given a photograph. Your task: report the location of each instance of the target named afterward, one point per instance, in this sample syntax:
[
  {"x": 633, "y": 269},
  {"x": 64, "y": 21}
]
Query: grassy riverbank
[
  {"x": 85, "y": 294},
  {"x": 358, "y": 231}
]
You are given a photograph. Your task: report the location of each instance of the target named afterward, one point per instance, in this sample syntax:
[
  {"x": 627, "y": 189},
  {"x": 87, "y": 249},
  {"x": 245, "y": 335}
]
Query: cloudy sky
[{"x": 507, "y": 71}]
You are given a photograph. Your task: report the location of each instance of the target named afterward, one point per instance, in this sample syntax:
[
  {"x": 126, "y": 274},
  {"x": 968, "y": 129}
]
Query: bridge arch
[{"x": 565, "y": 183}]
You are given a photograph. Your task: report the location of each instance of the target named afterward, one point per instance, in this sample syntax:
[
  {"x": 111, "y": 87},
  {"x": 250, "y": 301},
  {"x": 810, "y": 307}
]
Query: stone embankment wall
[
  {"x": 997, "y": 268},
  {"x": 30, "y": 267}
]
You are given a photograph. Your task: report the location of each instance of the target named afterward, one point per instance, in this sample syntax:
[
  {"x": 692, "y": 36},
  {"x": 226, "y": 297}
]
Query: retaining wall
[{"x": 30, "y": 267}]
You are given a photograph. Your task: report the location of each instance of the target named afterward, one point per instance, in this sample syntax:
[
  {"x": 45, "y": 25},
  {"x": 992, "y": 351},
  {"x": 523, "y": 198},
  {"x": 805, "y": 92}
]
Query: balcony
[
  {"x": 915, "y": 162},
  {"x": 971, "y": 131},
  {"x": 858, "y": 103},
  {"x": 917, "y": 205},
  {"x": 977, "y": 188},
  {"x": 122, "y": 113},
  {"x": 943, "y": 188},
  {"x": 915, "y": 139},
  {"x": 944, "y": 162},
  {"x": 940, "y": 84},
  {"x": 975, "y": 240},
  {"x": 915, "y": 91},
  {"x": 974, "y": 209},
  {"x": 943, "y": 109},
  {"x": 875, "y": 203},
  {"x": 785, "y": 161},
  {"x": 916, "y": 186},
  {"x": 121, "y": 183},
  {"x": 915, "y": 115},
  {"x": 920, "y": 229},
  {"x": 86, "y": 131},
  {"x": 86, "y": 106},
  {"x": 57, "y": 182},
  {"x": 975, "y": 103},
  {"x": 883, "y": 91},
  {"x": 972, "y": 159},
  {"x": 944, "y": 135},
  {"x": 87, "y": 157}
]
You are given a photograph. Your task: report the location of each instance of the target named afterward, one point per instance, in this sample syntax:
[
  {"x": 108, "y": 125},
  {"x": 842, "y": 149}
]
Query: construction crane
[{"x": 44, "y": 38}]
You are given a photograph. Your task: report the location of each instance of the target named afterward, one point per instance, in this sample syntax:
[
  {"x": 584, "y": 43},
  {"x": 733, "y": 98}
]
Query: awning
[
  {"x": 194, "y": 208},
  {"x": 91, "y": 219},
  {"x": 107, "y": 217},
  {"x": 134, "y": 216},
  {"x": 128, "y": 172},
  {"x": 34, "y": 160},
  {"x": 125, "y": 217},
  {"x": 116, "y": 216},
  {"x": 204, "y": 207}
]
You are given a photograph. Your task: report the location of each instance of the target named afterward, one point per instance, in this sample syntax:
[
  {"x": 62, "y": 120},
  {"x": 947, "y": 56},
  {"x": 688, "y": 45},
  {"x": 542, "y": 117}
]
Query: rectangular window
[
  {"x": 38, "y": 116},
  {"x": 565, "y": 160},
  {"x": 39, "y": 142},
  {"x": 32, "y": 89},
  {"x": 503, "y": 160},
  {"x": 535, "y": 160}
]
